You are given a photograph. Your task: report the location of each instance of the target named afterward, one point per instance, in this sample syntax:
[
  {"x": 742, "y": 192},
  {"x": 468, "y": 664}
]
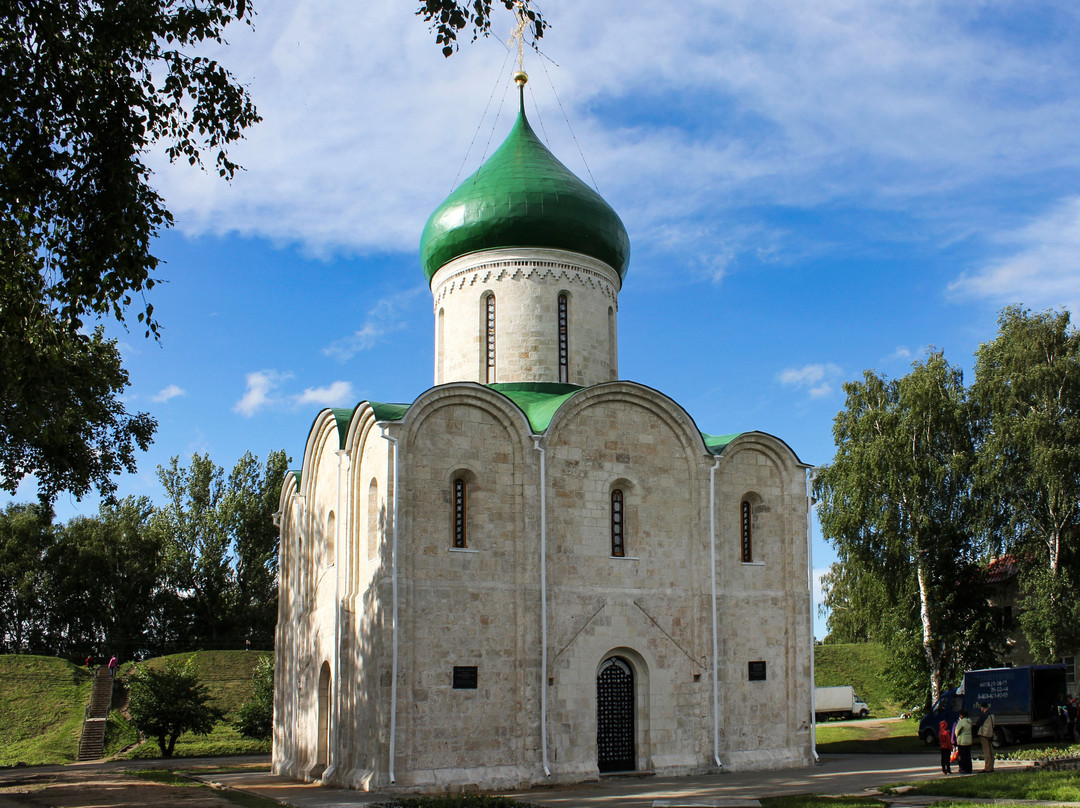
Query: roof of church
[
  {"x": 522, "y": 196},
  {"x": 539, "y": 401}
]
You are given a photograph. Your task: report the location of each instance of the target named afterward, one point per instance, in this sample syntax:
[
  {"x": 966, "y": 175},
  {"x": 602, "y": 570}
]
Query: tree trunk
[{"x": 932, "y": 661}]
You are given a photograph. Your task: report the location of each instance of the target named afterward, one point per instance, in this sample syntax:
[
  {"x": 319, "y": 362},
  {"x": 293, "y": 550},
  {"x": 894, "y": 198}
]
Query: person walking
[
  {"x": 945, "y": 742},
  {"x": 986, "y": 737},
  {"x": 1072, "y": 713},
  {"x": 963, "y": 743},
  {"x": 112, "y": 667}
]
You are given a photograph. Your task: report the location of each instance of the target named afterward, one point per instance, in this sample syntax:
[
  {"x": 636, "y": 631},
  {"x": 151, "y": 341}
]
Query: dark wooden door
[{"x": 615, "y": 716}]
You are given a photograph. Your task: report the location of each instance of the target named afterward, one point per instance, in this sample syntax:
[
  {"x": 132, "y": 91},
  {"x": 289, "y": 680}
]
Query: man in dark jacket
[{"x": 984, "y": 730}]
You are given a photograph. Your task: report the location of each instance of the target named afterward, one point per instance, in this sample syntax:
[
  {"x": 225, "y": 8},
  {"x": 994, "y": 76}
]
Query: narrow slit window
[
  {"x": 564, "y": 341},
  {"x": 747, "y": 533},
  {"x": 618, "y": 523},
  {"x": 489, "y": 338},
  {"x": 460, "y": 537}
]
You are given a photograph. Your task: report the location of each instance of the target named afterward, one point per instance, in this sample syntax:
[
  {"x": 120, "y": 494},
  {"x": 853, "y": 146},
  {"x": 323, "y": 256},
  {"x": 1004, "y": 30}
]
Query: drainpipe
[
  {"x": 335, "y": 695},
  {"x": 543, "y": 606},
  {"x": 810, "y": 594},
  {"x": 394, "y": 595},
  {"x": 715, "y": 647},
  {"x": 301, "y": 583}
]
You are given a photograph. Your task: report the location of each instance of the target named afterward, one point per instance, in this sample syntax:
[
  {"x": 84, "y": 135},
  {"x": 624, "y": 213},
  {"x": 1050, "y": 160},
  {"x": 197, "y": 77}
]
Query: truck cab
[{"x": 947, "y": 708}]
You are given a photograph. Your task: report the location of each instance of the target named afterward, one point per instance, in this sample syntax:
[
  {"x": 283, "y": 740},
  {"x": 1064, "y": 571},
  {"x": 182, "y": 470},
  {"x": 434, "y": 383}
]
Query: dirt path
[
  {"x": 109, "y": 785},
  {"x": 85, "y": 789}
]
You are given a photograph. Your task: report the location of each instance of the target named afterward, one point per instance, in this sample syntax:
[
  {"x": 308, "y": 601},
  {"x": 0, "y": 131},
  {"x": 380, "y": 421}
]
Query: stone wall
[
  {"x": 526, "y": 286},
  {"x": 480, "y": 606}
]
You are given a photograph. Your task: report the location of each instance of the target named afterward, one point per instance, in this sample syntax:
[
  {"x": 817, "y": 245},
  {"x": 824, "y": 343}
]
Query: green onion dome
[{"x": 524, "y": 197}]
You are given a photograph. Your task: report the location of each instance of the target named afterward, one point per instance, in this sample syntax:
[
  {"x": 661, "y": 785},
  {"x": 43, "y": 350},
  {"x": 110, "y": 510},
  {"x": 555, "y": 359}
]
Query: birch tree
[
  {"x": 895, "y": 503},
  {"x": 1027, "y": 397}
]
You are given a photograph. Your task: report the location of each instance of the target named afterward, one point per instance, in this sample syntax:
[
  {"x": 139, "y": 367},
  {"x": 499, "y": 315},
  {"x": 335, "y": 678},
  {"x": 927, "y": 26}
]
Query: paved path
[{"x": 835, "y": 774}]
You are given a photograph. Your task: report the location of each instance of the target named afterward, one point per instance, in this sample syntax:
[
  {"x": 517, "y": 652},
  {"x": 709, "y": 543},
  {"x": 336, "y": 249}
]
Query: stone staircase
[{"x": 92, "y": 740}]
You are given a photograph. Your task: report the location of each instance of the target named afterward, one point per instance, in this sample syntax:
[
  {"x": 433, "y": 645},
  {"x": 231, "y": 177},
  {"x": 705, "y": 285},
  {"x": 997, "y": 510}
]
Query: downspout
[
  {"x": 715, "y": 632},
  {"x": 335, "y": 700},
  {"x": 810, "y": 593},
  {"x": 394, "y": 595},
  {"x": 301, "y": 584},
  {"x": 543, "y": 607}
]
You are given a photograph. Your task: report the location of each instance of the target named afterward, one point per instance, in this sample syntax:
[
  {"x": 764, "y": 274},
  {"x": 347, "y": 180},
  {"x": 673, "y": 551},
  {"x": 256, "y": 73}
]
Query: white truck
[{"x": 838, "y": 702}]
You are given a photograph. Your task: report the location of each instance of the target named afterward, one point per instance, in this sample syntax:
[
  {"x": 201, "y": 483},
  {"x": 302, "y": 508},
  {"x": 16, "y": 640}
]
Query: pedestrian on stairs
[
  {"x": 112, "y": 666},
  {"x": 90, "y": 662}
]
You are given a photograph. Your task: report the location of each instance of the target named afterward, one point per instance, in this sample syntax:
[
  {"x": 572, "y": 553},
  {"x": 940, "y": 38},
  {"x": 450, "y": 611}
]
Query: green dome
[{"x": 523, "y": 197}]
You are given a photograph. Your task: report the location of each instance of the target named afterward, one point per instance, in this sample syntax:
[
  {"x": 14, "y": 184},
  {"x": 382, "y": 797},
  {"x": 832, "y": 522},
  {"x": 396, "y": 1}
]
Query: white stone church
[{"x": 537, "y": 572}]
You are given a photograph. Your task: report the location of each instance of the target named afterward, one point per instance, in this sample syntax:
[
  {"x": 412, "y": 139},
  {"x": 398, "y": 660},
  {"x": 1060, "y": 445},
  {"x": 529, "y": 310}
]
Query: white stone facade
[
  {"x": 526, "y": 285},
  {"x": 378, "y": 607}
]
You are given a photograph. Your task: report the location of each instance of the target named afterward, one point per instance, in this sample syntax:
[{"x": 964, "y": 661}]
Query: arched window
[
  {"x": 440, "y": 327},
  {"x": 564, "y": 340},
  {"x": 373, "y": 519},
  {"x": 746, "y": 531},
  {"x": 489, "y": 338},
  {"x": 613, "y": 344},
  {"x": 460, "y": 520},
  {"x": 329, "y": 540},
  {"x": 618, "y": 524}
]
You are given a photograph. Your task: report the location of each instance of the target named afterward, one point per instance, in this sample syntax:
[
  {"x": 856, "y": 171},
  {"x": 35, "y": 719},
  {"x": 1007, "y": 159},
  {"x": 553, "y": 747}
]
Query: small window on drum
[
  {"x": 564, "y": 339},
  {"x": 618, "y": 524},
  {"x": 746, "y": 528},
  {"x": 460, "y": 495},
  {"x": 489, "y": 339}
]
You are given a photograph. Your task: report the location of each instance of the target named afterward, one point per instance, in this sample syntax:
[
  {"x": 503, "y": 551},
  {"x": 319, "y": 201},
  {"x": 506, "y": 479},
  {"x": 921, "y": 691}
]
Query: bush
[
  {"x": 169, "y": 701},
  {"x": 255, "y": 718}
]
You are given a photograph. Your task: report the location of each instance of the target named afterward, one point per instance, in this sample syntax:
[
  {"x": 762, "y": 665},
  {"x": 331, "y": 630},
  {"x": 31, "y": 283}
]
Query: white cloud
[
  {"x": 783, "y": 103},
  {"x": 1042, "y": 268},
  {"x": 818, "y": 380},
  {"x": 260, "y": 393},
  {"x": 172, "y": 391},
  {"x": 386, "y": 316},
  {"x": 337, "y": 394}
]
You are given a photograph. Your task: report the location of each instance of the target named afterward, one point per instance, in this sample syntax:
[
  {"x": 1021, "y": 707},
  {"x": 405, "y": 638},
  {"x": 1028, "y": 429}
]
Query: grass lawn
[
  {"x": 42, "y": 702},
  {"x": 1027, "y": 784},
  {"x": 890, "y": 738},
  {"x": 819, "y": 801}
]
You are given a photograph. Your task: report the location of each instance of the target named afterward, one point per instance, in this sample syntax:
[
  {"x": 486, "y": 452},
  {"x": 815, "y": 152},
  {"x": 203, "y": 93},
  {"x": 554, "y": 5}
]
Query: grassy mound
[
  {"x": 227, "y": 674},
  {"x": 42, "y": 703},
  {"x": 861, "y": 665}
]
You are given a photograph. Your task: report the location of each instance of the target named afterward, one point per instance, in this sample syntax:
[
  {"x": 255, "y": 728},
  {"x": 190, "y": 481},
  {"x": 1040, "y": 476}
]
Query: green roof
[
  {"x": 524, "y": 197},
  {"x": 539, "y": 401},
  {"x": 388, "y": 412},
  {"x": 342, "y": 416},
  {"x": 717, "y": 443}
]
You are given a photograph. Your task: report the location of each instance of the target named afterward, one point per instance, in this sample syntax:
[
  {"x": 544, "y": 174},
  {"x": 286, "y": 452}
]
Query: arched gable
[
  {"x": 508, "y": 414},
  {"x": 776, "y": 450},
  {"x": 668, "y": 410}
]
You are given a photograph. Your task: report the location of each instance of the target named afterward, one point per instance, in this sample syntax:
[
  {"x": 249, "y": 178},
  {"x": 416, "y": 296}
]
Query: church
[{"x": 537, "y": 572}]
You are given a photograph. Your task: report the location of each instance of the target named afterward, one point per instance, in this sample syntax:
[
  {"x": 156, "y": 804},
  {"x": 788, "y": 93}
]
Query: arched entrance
[
  {"x": 615, "y": 716},
  {"x": 322, "y": 752}
]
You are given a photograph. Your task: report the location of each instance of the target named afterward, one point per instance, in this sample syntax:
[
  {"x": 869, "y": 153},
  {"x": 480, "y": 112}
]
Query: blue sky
[{"x": 810, "y": 189}]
